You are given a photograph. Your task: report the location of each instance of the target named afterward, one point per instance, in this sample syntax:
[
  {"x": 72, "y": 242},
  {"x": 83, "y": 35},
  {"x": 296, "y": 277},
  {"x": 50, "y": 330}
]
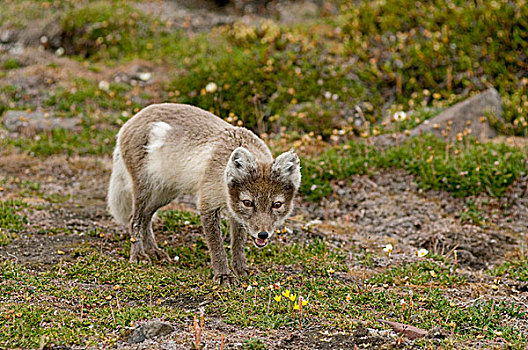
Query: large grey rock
[
  {"x": 150, "y": 330},
  {"x": 29, "y": 123},
  {"x": 466, "y": 117}
]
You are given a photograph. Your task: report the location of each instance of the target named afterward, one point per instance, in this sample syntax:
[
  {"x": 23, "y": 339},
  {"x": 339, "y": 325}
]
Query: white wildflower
[
  {"x": 388, "y": 248},
  {"x": 400, "y": 116},
  {"x": 422, "y": 252},
  {"x": 211, "y": 88},
  {"x": 104, "y": 85}
]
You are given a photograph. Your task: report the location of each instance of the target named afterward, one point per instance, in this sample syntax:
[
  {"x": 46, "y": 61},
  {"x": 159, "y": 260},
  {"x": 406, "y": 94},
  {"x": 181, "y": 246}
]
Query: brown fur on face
[{"x": 262, "y": 190}]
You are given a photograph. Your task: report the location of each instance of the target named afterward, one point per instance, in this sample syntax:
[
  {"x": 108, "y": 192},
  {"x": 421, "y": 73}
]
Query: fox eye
[
  {"x": 276, "y": 205},
  {"x": 247, "y": 203}
]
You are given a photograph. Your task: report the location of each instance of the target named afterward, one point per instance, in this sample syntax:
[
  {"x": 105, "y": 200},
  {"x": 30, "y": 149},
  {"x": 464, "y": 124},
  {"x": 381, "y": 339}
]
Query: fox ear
[
  {"x": 240, "y": 165},
  {"x": 287, "y": 167}
]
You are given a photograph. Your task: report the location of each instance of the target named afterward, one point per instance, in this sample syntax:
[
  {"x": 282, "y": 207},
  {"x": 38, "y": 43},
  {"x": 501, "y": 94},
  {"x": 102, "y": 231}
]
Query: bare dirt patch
[{"x": 390, "y": 208}]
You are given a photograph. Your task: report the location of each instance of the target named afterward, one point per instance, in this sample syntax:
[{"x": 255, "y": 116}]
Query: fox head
[{"x": 260, "y": 195}]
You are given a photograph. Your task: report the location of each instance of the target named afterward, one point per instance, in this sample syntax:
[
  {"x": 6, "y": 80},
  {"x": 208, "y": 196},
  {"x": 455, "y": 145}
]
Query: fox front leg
[
  {"x": 213, "y": 236},
  {"x": 238, "y": 241}
]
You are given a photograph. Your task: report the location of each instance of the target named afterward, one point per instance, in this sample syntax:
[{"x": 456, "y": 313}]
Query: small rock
[
  {"x": 7, "y": 36},
  {"x": 29, "y": 123},
  {"x": 150, "y": 330},
  {"x": 466, "y": 117}
]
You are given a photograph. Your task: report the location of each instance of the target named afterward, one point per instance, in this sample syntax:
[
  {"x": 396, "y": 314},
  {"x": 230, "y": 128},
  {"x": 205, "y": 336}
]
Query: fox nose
[{"x": 262, "y": 235}]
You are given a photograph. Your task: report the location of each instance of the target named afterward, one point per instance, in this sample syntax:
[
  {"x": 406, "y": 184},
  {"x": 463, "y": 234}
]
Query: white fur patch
[
  {"x": 157, "y": 136},
  {"x": 175, "y": 168}
]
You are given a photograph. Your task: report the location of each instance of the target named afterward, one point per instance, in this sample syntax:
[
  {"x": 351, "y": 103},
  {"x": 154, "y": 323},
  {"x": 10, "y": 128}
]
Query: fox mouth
[{"x": 260, "y": 243}]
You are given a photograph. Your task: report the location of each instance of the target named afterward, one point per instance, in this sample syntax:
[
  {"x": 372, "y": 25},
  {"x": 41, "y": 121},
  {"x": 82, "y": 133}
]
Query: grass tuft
[{"x": 11, "y": 220}]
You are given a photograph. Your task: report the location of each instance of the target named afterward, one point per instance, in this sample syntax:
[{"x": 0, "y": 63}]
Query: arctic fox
[{"x": 168, "y": 149}]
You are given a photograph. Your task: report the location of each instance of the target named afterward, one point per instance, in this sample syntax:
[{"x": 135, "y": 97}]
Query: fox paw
[
  {"x": 226, "y": 280},
  {"x": 241, "y": 271},
  {"x": 137, "y": 256},
  {"x": 159, "y": 254}
]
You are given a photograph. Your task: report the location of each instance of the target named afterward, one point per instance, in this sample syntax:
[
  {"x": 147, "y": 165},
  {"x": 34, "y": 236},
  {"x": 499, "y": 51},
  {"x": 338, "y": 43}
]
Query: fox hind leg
[{"x": 143, "y": 243}]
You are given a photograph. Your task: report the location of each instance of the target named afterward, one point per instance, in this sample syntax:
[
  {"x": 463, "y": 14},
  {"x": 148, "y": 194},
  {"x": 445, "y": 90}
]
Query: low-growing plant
[
  {"x": 514, "y": 268},
  {"x": 254, "y": 344},
  {"x": 462, "y": 168},
  {"x": 418, "y": 273},
  {"x": 105, "y": 28},
  {"x": 10, "y": 63},
  {"x": 11, "y": 219}
]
